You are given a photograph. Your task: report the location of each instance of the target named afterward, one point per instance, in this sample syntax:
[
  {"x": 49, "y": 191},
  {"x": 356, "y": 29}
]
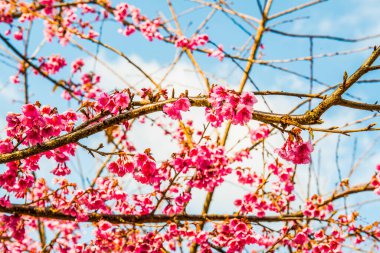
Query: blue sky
[{"x": 343, "y": 18}]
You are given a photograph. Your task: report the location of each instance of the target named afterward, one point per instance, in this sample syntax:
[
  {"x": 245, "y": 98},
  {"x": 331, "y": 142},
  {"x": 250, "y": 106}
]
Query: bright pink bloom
[
  {"x": 128, "y": 30},
  {"x": 15, "y": 224},
  {"x": 53, "y": 64},
  {"x": 104, "y": 225},
  {"x": 30, "y": 111},
  {"x": 113, "y": 103},
  {"x": 6, "y": 146},
  {"x": 259, "y": 133},
  {"x": 228, "y": 105},
  {"x": 235, "y": 235},
  {"x": 375, "y": 181},
  {"x": 297, "y": 152},
  {"x": 210, "y": 163},
  {"x": 77, "y": 65},
  {"x": 193, "y": 43},
  {"x": 122, "y": 166},
  {"x": 173, "y": 110},
  {"x": 150, "y": 29},
  {"x": 300, "y": 239},
  {"x": 61, "y": 170},
  {"x": 121, "y": 11},
  {"x": 18, "y": 35}
]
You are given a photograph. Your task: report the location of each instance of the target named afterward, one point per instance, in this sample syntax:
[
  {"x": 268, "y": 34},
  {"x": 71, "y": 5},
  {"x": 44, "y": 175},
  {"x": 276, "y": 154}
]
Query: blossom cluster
[
  {"x": 35, "y": 125},
  {"x": 114, "y": 103},
  {"x": 210, "y": 164},
  {"x": 38, "y": 123},
  {"x": 259, "y": 133},
  {"x": 53, "y": 64},
  {"x": 235, "y": 235},
  {"x": 5, "y": 16},
  {"x": 77, "y": 65},
  {"x": 142, "y": 166},
  {"x": 281, "y": 184},
  {"x": 173, "y": 110},
  {"x": 228, "y": 105},
  {"x": 16, "y": 225},
  {"x": 315, "y": 208},
  {"x": 192, "y": 43},
  {"x": 49, "y": 66},
  {"x": 177, "y": 202},
  {"x": 88, "y": 86},
  {"x": 295, "y": 150},
  {"x": 149, "y": 28}
]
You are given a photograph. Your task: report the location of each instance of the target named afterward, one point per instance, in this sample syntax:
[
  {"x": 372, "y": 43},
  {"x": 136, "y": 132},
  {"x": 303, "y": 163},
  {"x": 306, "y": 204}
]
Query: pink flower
[
  {"x": 121, "y": 167},
  {"x": 4, "y": 201},
  {"x": 121, "y": 11},
  {"x": 259, "y": 133},
  {"x": 146, "y": 169},
  {"x": 128, "y": 30},
  {"x": 319, "y": 235},
  {"x": 150, "y": 29},
  {"x": 114, "y": 103},
  {"x": 6, "y": 146},
  {"x": 297, "y": 152},
  {"x": 192, "y": 43},
  {"x": 92, "y": 34},
  {"x": 61, "y": 170},
  {"x": 300, "y": 239},
  {"x": 173, "y": 110},
  {"x": 243, "y": 114},
  {"x": 15, "y": 224},
  {"x": 234, "y": 234},
  {"x": 14, "y": 79},
  {"x": 121, "y": 100},
  {"x": 248, "y": 99},
  {"x": 30, "y": 110},
  {"x": 211, "y": 166},
  {"x": 18, "y": 35},
  {"x": 228, "y": 105},
  {"x": 77, "y": 65},
  {"x": 375, "y": 181},
  {"x": 182, "y": 104},
  {"x": 104, "y": 225},
  {"x": 53, "y": 64}
]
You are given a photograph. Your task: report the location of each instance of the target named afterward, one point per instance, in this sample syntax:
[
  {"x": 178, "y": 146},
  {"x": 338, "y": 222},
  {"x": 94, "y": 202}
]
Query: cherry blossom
[
  {"x": 228, "y": 105},
  {"x": 295, "y": 150},
  {"x": 259, "y": 133},
  {"x": 218, "y": 53},
  {"x": 173, "y": 110}
]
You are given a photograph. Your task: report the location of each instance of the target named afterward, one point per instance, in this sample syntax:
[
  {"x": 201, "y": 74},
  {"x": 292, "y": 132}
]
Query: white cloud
[
  {"x": 182, "y": 77},
  {"x": 11, "y": 92}
]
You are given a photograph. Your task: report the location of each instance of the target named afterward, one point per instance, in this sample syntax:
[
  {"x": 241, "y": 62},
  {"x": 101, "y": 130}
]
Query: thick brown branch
[
  {"x": 160, "y": 218},
  {"x": 133, "y": 219},
  {"x": 135, "y": 113}
]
